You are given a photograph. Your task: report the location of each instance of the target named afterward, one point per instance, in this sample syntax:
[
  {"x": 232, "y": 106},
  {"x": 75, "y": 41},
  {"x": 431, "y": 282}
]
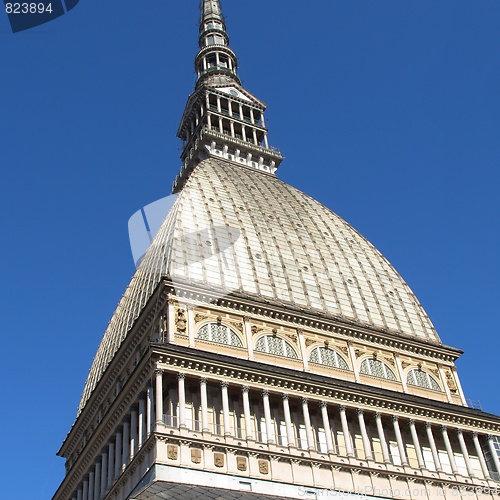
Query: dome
[{"x": 237, "y": 230}]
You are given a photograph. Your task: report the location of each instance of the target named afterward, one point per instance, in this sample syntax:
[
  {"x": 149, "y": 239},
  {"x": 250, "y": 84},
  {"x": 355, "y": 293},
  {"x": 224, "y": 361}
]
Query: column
[
  {"x": 171, "y": 321},
  {"x": 480, "y": 454},
  {"x": 79, "y": 494},
  {"x": 449, "y": 449},
  {"x": 381, "y": 436},
  {"x": 326, "y": 427},
  {"x": 111, "y": 464},
  {"x": 246, "y": 413},
  {"x": 345, "y": 432},
  {"x": 465, "y": 453},
  {"x": 204, "y": 404},
  {"x": 85, "y": 492},
  {"x": 399, "y": 366},
  {"x": 190, "y": 325},
  {"x": 118, "y": 453},
  {"x": 494, "y": 455},
  {"x": 91, "y": 485},
  {"x": 133, "y": 432},
  {"x": 126, "y": 443},
  {"x": 307, "y": 422},
  {"x": 303, "y": 352},
  {"x": 181, "y": 377},
  {"x": 435, "y": 454},
  {"x": 290, "y": 437},
  {"x": 225, "y": 408},
  {"x": 248, "y": 332},
  {"x": 353, "y": 361},
  {"x": 364, "y": 435},
  {"x": 416, "y": 443},
  {"x": 142, "y": 422},
  {"x": 267, "y": 417},
  {"x": 399, "y": 439},
  {"x": 149, "y": 409},
  {"x": 97, "y": 481},
  {"x": 104, "y": 471},
  {"x": 159, "y": 396}
]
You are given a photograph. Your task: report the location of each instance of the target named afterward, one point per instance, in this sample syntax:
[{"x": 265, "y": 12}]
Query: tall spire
[
  {"x": 215, "y": 60},
  {"x": 222, "y": 119}
]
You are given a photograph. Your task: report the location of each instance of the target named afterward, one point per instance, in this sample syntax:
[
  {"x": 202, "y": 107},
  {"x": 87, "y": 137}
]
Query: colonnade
[
  {"x": 290, "y": 421},
  {"x": 129, "y": 437},
  {"x": 455, "y": 442}
]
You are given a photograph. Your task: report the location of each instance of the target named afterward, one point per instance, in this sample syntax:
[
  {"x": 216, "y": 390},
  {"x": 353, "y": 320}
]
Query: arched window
[
  {"x": 422, "y": 379},
  {"x": 222, "y": 334},
  {"x": 275, "y": 345},
  {"x": 328, "y": 357},
  {"x": 376, "y": 368}
]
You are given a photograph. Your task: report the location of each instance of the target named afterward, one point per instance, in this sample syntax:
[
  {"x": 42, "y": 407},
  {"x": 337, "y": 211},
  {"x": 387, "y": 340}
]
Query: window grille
[
  {"x": 221, "y": 334},
  {"x": 328, "y": 357},
  {"x": 275, "y": 345},
  {"x": 422, "y": 379},
  {"x": 376, "y": 368}
]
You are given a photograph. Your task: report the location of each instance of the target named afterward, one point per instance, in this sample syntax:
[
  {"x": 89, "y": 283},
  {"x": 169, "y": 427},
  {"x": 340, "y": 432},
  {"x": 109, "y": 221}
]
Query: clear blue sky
[{"x": 387, "y": 111}]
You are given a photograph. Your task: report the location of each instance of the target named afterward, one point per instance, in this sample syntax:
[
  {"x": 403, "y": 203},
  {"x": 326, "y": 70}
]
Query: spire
[
  {"x": 222, "y": 119},
  {"x": 215, "y": 60}
]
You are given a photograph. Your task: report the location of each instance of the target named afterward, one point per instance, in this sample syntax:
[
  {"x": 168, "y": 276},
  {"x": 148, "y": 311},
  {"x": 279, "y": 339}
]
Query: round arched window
[
  {"x": 222, "y": 334},
  {"x": 422, "y": 379},
  {"x": 376, "y": 368},
  {"x": 275, "y": 345},
  {"x": 328, "y": 357}
]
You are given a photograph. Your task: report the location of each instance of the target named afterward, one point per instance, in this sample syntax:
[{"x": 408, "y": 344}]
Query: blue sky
[{"x": 387, "y": 112}]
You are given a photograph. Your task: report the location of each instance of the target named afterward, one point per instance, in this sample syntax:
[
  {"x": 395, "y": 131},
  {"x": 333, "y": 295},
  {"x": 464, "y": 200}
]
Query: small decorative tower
[{"x": 221, "y": 118}]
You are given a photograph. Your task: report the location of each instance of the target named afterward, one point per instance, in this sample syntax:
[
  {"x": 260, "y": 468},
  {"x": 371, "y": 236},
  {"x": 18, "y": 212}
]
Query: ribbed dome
[{"x": 238, "y": 230}]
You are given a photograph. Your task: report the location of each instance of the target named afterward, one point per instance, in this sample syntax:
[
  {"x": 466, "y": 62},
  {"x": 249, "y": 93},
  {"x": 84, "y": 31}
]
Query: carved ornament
[
  {"x": 196, "y": 455},
  {"x": 200, "y": 317},
  {"x": 219, "y": 459},
  {"x": 181, "y": 321},
  {"x": 241, "y": 463},
  {"x": 172, "y": 451},
  {"x": 451, "y": 382},
  {"x": 263, "y": 466}
]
